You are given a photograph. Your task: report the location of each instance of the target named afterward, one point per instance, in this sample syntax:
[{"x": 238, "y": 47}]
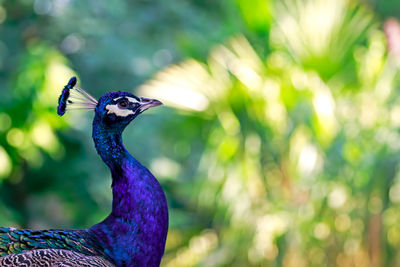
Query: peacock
[{"x": 134, "y": 234}]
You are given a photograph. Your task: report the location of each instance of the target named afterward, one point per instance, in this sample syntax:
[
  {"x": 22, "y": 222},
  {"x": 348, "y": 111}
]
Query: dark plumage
[
  {"x": 134, "y": 233},
  {"x": 62, "y": 100}
]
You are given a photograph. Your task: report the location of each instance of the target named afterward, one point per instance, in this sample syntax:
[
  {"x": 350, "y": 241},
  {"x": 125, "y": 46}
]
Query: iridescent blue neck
[
  {"x": 108, "y": 143},
  {"x": 134, "y": 233}
]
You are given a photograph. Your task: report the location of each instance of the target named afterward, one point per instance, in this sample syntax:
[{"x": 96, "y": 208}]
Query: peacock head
[
  {"x": 118, "y": 109},
  {"x": 113, "y": 110}
]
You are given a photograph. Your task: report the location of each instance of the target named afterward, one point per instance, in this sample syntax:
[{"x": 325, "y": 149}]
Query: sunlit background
[{"x": 279, "y": 144}]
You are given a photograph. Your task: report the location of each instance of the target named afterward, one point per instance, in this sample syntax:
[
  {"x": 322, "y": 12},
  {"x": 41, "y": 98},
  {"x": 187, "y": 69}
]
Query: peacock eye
[{"x": 123, "y": 104}]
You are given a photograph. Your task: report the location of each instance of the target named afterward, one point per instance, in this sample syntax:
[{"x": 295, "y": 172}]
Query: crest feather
[{"x": 74, "y": 98}]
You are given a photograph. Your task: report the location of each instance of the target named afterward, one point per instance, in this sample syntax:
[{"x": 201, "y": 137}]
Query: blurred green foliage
[{"x": 279, "y": 145}]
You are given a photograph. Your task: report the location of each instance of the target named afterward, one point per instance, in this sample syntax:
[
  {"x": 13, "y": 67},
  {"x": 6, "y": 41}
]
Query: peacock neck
[
  {"x": 137, "y": 200},
  {"x": 108, "y": 143}
]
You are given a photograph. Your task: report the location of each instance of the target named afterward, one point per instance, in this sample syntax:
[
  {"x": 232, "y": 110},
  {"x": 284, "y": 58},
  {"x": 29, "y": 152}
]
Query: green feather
[{"x": 13, "y": 241}]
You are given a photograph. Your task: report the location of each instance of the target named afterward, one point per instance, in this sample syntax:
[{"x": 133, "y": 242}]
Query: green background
[{"x": 279, "y": 143}]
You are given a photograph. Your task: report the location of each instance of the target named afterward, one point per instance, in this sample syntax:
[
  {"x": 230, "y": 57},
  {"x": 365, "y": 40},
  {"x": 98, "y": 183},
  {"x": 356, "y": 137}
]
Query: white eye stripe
[
  {"x": 130, "y": 99},
  {"x": 117, "y": 111}
]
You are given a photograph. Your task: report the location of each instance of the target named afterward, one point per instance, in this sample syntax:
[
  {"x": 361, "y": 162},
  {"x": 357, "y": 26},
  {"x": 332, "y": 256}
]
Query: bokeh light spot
[
  {"x": 43, "y": 136},
  {"x": 337, "y": 197},
  {"x": 15, "y": 137},
  {"x": 42, "y": 7},
  {"x": 5, "y": 163},
  {"x": 165, "y": 167},
  {"x": 342, "y": 222},
  {"x": 321, "y": 230},
  {"x": 5, "y": 122},
  {"x": 3, "y": 14}
]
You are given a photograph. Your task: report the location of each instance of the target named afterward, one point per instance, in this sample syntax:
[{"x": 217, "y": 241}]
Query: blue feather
[{"x": 62, "y": 100}]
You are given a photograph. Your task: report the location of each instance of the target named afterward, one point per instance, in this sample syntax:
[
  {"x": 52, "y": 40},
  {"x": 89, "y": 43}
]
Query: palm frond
[{"x": 320, "y": 34}]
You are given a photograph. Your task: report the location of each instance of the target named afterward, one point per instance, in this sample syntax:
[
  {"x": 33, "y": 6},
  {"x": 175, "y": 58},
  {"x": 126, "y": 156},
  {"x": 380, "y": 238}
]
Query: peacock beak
[{"x": 146, "y": 103}]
